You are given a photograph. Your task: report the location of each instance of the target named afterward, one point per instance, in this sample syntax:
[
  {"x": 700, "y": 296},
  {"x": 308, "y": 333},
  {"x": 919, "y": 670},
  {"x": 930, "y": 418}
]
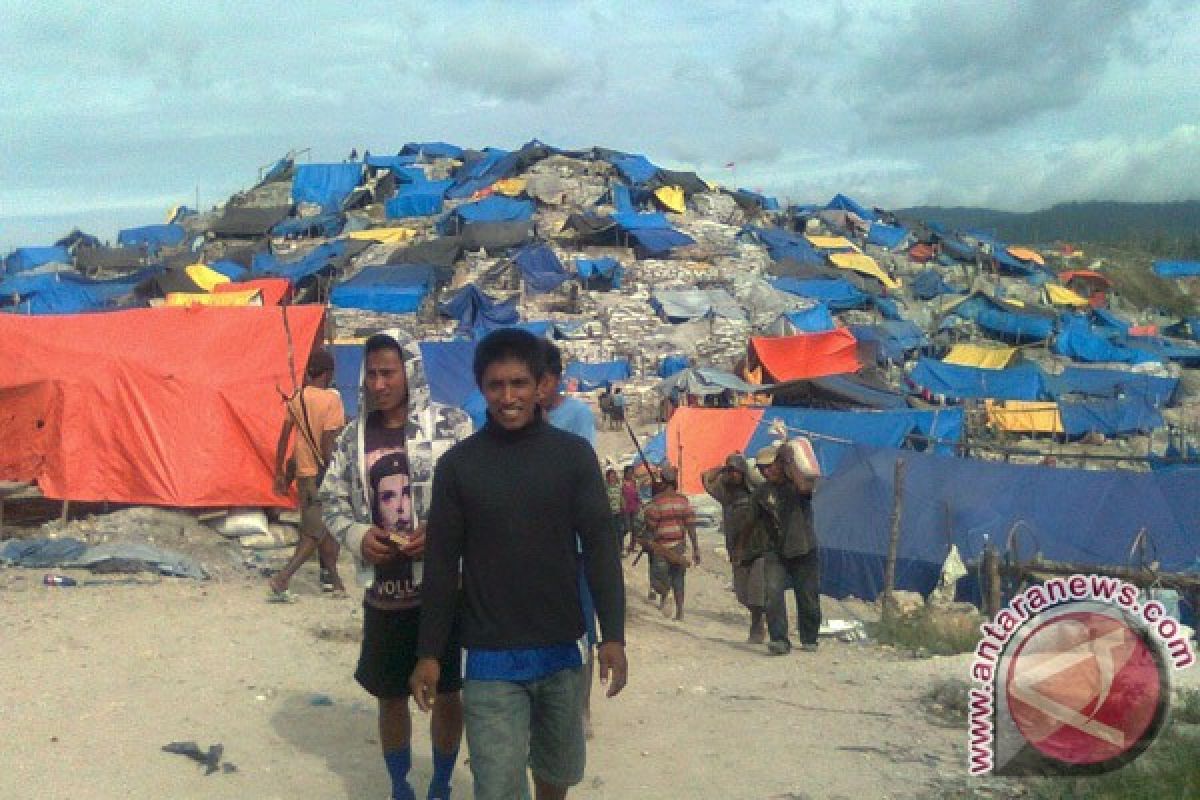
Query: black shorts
[{"x": 389, "y": 654}]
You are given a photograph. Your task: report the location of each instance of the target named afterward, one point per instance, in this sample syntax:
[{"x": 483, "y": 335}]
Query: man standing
[
  {"x": 316, "y": 412},
  {"x": 619, "y": 402},
  {"x": 508, "y": 506},
  {"x": 784, "y": 536},
  {"x": 376, "y": 496},
  {"x": 669, "y": 516},
  {"x": 564, "y": 412},
  {"x": 729, "y": 485}
]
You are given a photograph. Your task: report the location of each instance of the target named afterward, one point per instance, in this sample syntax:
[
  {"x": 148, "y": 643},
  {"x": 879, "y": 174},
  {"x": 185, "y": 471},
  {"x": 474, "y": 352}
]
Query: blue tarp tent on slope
[
  {"x": 887, "y": 236},
  {"x": 1112, "y": 383},
  {"x": 26, "y": 258},
  {"x": 929, "y": 284},
  {"x": 1077, "y": 340},
  {"x": 394, "y": 163},
  {"x": 1177, "y": 269},
  {"x": 540, "y": 268},
  {"x": 1004, "y": 322},
  {"x": 396, "y": 289},
  {"x": 603, "y": 269},
  {"x": 783, "y": 245},
  {"x": 496, "y": 208},
  {"x": 417, "y": 199},
  {"x": 68, "y": 292},
  {"x": 311, "y": 263},
  {"x": 481, "y": 171},
  {"x": 593, "y": 376},
  {"x": 896, "y": 338},
  {"x": 955, "y": 382},
  {"x": 813, "y": 320},
  {"x": 836, "y": 294},
  {"x": 325, "y": 185},
  {"x": 634, "y": 168},
  {"x": 841, "y": 202},
  {"x": 474, "y": 309},
  {"x": 671, "y": 365},
  {"x": 431, "y": 150},
  {"x": 1081, "y": 517},
  {"x": 323, "y": 226},
  {"x": 1112, "y": 417},
  {"x": 656, "y": 242},
  {"x": 151, "y": 236}
]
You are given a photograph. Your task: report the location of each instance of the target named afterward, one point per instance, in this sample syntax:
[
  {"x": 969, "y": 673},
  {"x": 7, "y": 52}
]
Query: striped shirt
[{"x": 668, "y": 517}]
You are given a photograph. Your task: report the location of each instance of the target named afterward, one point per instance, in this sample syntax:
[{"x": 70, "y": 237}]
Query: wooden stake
[
  {"x": 889, "y": 568},
  {"x": 991, "y": 582}
]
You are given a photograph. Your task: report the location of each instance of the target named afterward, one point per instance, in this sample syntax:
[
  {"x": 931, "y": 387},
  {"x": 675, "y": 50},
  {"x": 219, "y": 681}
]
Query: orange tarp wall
[
  {"x": 700, "y": 438},
  {"x": 807, "y": 355},
  {"x": 168, "y": 406}
]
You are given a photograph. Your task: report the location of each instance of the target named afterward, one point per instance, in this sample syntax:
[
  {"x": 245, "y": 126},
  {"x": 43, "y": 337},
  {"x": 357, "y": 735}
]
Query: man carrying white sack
[{"x": 783, "y": 518}]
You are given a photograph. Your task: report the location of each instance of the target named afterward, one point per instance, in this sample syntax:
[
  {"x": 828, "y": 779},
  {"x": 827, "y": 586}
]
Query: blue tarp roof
[
  {"x": 765, "y": 203},
  {"x": 929, "y": 284},
  {"x": 956, "y": 382},
  {"x": 432, "y": 150},
  {"x": 889, "y": 236},
  {"x": 323, "y": 226},
  {"x": 781, "y": 244},
  {"x": 656, "y": 242},
  {"x": 1004, "y": 323},
  {"x": 1112, "y": 383},
  {"x": 593, "y": 376},
  {"x": 655, "y": 449},
  {"x": 608, "y": 269},
  {"x": 634, "y": 168},
  {"x": 496, "y": 208},
  {"x": 896, "y": 338},
  {"x": 540, "y": 268},
  {"x": 813, "y": 320},
  {"x": 325, "y": 185},
  {"x": 474, "y": 309},
  {"x": 1082, "y": 517},
  {"x": 417, "y": 199},
  {"x": 230, "y": 269},
  {"x": 671, "y": 365},
  {"x": 395, "y": 289},
  {"x": 843, "y": 203},
  {"x": 1077, "y": 339},
  {"x": 152, "y": 236},
  {"x": 678, "y": 305},
  {"x": 1177, "y": 269},
  {"x": 68, "y": 292},
  {"x": 394, "y": 163},
  {"x": 1112, "y": 417},
  {"x": 25, "y": 258},
  {"x": 837, "y": 294},
  {"x": 635, "y": 221},
  {"x": 295, "y": 271},
  {"x": 481, "y": 172}
]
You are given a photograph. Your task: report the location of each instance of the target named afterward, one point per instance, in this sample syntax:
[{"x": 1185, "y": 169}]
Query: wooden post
[
  {"x": 991, "y": 582},
  {"x": 889, "y": 568},
  {"x": 66, "y": 510}
]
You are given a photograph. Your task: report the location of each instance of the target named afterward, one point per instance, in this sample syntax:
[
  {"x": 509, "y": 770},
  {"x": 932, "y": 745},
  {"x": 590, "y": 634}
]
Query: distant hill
[{"x": 1174, "y": 226}]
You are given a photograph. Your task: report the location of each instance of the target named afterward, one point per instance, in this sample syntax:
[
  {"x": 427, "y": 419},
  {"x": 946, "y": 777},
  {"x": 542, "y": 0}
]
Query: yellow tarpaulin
[
  {"x": 1025, "y": 254},
  {"x": 831, "y": 242},
  {"x": 204, "y": 277},
  {"x": 1062, "y": 296},
  {"x": 973, "y": 355},
  {"x": 1021, "y": 416},
  {"x": 252, "y": 297},
  {"x": 383, "y": 235},
  {"x": 864, "y": 264},
  {"x": 509, "y": 186},
  {"x": 672, "y": 198}
]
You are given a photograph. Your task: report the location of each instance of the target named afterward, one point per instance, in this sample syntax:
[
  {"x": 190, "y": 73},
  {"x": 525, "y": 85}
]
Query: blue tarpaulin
[
  {"x": 635, "y": 168},
  {"x": 1112, "y": 383},
  {"x": 25, "y": 258},
  {"x": 394, "y": 163},
  {"x": 635, "y": 221},
  {"x": 593, "y": 376},
  {"x": 151, "y": 236},
  {"x": 653, "y": 242},
  {"x": 783, "y": 245},
  {"x": 481, "y": 172},
  {"x": 956, "y": 382},
  {"x": 1112, "y": 417},
  {"x": 813, "y": 320},
  {"x": 887, "y": 236},
  {"x": 896, "y": 338},
  {"x": 655, "y": 449},
  {"x": 67, "y": 292},
  {"x": 1083, "y": 517},
  {"x": 836, "y": 294},
  {"x": 313, "y": 262},
  {"x": 540, "y": 268},
  {"x": 496, "y": 208},
  {"x": 929, "y": 284},
  {"x": 395, "y": 289},
  {"x": 323, "y": 226},
  {"x": 230, "y": 269},
  {"x": 671, "y": 365},
  {"x": 474, "y": 309},
  {"x": 447, "y": 368},
  {"x": 432, "y": 150},
  {"x": 764, "y": 202},
  {"x": 603, "y": 269},
  {"x": 417, "y": 199},
  {"x": 1004, "y": 322},
  {"x": 622, "y": 199},
  {"x": 1077, "y": 339},
  {"x": 1177, "y": 269},
  {"x": 325, "y": 185},
  {"x": 841, "y": 202}
]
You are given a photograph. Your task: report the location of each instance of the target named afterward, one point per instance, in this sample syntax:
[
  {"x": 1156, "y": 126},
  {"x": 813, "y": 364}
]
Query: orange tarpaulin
[
  {"x": 807, "y": 355},
  {"x": 700, "y": 438},
  {"x": 168, "y": 406}
]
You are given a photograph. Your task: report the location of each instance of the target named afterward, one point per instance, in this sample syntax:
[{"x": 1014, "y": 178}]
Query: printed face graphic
[{"x": 395, "y": 502}]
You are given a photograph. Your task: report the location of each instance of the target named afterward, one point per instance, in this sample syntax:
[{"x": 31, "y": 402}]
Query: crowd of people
[{"x": 446, "y": 525}]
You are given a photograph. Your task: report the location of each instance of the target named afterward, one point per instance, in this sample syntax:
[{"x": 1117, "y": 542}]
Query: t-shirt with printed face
[{"x": 397, "y": 583}]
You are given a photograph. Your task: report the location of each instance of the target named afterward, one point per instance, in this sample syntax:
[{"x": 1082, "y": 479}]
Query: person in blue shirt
[{"x": 564, "y": 412}]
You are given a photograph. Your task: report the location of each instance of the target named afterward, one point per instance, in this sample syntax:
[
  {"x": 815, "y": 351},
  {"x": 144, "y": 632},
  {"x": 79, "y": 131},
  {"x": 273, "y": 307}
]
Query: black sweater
[{"x": 509, "y": 505}]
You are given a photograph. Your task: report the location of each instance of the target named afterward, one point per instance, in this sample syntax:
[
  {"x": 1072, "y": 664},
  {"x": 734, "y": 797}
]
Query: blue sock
[
  {"x": 398, "y": 764},
  {"x": 443, "y": 769}
]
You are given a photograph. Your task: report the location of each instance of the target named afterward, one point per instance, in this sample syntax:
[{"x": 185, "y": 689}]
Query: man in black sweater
[{"x": 508, "y": 503}]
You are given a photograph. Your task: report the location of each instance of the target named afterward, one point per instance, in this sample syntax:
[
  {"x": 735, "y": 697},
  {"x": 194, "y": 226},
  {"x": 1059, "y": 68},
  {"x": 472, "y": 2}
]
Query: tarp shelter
[
  {"x": 952, "y": 382},
  {"x": 1062, "y": 296},
  {"x": 1080, "y": 341},
  {"x": 490, "y": 209},
  {"x": 599, "y": 270},
  {"x": 389, "y": 289},
  {"x": 170, "y": 406},
  {"x": 388, "y": 236},
  {"x": 860, "y": 262},
  {"x": 976, "y": 355},
  {"x": 656, "y": 242},
  {"x": 887, "y": 236},
  {"x": 316, "y": 260},
  {"x": 325, "y": 185},
  {"x": 204, "y": 277},
  {"x": 929, "y": 284},
  {"x": 1006, "y": 321},
  {"x": 705, "y": 381},
  {"x": 431, "y": 150},
  {"x": 671, "y": 198},
  {"x": 238, "y": 222},
  {"x": 89, "y": 259},
  {"x": 671, "y": 365},
  {"x": 151, "y": 237},
  {"x": 474, "y": 309},
  {"x": 320, "y": 226},
  {"x": 245, "y": 297},
  {"x": 540, "y": 268},
  {"x": 275, "y": 291},
  {"x": 589, "y": 376},
  {"x": 1177, "y": 269},
  {"x": 894, "y": 338},
  {"x": 841, "y": 202},
  {"x": 806, "y": 355},
  {"x": 634, "y": 168},
  {"x": 861, "y": 390},
  {"x": 782, "y": 245},
  {"x": 440, "y": 252},
  {"x": 67, "y": 292},
  {"x": 417, "y": 200},
  {"x": 837, "y": 295},
  {"x": 496, "y": 237},
  {"x": 1082, "y": 517},
  {"x": 1026, "y": 254},
  {"x": 27, "y": 258},
  {"x": 1090, "y": 382},
  {"x": 811, "y": 320},
  {"x": 833, "y": 244},
  {"x": 681, "y": 305}
]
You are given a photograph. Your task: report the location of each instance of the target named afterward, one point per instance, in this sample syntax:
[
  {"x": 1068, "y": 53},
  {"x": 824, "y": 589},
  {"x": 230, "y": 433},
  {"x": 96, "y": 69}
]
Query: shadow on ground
[{"x": 344, "y": 734}]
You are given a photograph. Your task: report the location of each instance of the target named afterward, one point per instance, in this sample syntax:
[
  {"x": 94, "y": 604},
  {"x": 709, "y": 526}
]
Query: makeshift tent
[
  {"x": 686, "y": 304},
  {"x": 1078, "y": 340},
  {"x": 1006, "y": 321},
  {"x": 540, "y": 268},
  {"x": 834, "y": 244},
  {"x": 589, "y": 376},
  {"x": 671, "y": 198},
  {"x": 600, "y": 270},
  {"x": 495, "y": 237},
  {"x": 151, "y": 236},
  {"x": 27, "y": 258},
  {"x": 390, "y": 289},
  {"x": 753, "y": 201},
  {"x": 474, "y": 309},
  {"x": 1177, "y": 269},
  {"x": 321, "y": 226},
  {"x": 417, "y": 199},
  {"x": 806, "y": 355},
  {"x": 895, "y": 339},
  {"x": 89, "y": 259},
  {"x": 1082, "y": 517},
  {"x": 929, "y": 284},
  {"x": 1020, "y": 416},
  {"x": 245, "y": 297},
  {"x": 167, "y": 406},
  {"x": 489, "y": 209},
  {"x": 860, "y": 262},
  {"x": 67, "y": 292},
  {"x": 239, "y": 222},
  {"x": 274, "y": 291},
  {"x": 671, "y": 365},
  {"x": 812, "y": 320},
  {"x": 325, "y": 185},
  {"x": 887, "y": 236},
  {"x": 783, "y": 245},
  {"x": 431, "y": 150},
  {"x": 837, "y": 295},
  {"x": 951, "y": 382},
  {"x": 657, "y": 242},
  {"x": 317, "y": 260},
  {"x": 975, "y": 355},
  {"x": 705, "y": 381},
  {"x": 845, "y": 392},
  {"x": 1090, "y": 382},
  {"x": 207, "y": 279},
  {"x": 1025, "y": 254},
  {"x": 635, "y": 168},
  {"x": 841, "y": 202}
]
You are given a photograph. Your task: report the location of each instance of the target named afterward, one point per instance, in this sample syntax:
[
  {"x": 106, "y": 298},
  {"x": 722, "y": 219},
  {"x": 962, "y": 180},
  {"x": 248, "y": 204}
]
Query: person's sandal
[{"x": 285, "y": 596}]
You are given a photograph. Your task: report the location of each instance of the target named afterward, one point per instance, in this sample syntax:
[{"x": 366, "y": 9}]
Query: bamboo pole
[{"x": 889, "y": 569}]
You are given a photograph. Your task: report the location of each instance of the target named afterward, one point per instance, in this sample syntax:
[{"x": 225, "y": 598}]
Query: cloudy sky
[{"x": 113, "y": 113}]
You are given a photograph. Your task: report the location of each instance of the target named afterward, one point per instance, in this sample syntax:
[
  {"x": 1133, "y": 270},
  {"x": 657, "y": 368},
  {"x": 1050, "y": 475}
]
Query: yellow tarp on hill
[
  {"x": 831, "y": 242},
  {"x": 383, "y": 235},
  {"x": 860, "y": 262},
  {"x": 204, "y": 277},
  {"x": 1025, "y": 254},
  {"x": 1062, "y": 296},
  {"x": 1021, "y": 416},
  {"x": 509, "y": 186},
  {"x": 252, "y": 297},
  {"x": 672, "y": 198},
  {"x": 973, "y": 355}
]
